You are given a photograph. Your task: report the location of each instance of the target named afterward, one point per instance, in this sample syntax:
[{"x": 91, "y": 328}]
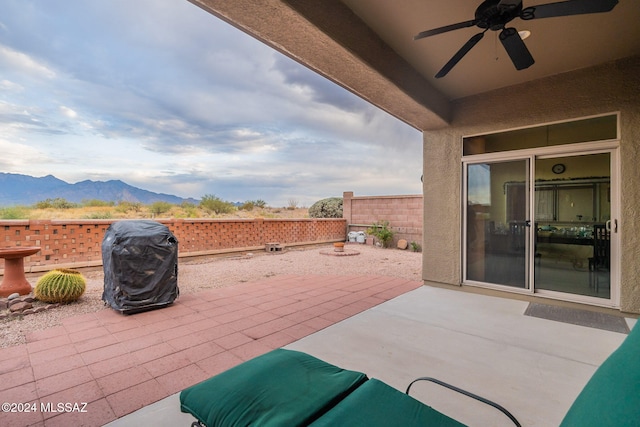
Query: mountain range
[{"x": 17, "y": 189}]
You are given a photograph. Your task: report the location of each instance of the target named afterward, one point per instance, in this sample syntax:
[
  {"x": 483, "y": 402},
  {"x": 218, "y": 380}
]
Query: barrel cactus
[{"x": 61, "y": 285}]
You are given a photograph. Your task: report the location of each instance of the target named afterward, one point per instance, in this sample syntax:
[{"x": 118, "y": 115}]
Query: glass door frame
[{"x": 611, "y": 147}]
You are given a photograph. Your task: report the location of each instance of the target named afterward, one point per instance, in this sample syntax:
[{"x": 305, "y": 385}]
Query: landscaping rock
[
  {"x": 20, "y": 306},
  {"x": 13, "y": 302},
  {"x": 402, "y": 244},
  {"x": 13, "y": 296}
]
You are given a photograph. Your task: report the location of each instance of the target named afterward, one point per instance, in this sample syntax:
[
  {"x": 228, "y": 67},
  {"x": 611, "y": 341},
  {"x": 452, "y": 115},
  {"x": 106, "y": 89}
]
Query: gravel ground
[{"x": 197, "y": 274}]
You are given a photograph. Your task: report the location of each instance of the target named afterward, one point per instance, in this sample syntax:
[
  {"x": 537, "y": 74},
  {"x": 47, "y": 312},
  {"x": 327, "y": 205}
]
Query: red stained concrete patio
[{"x": 117, "y": 364}]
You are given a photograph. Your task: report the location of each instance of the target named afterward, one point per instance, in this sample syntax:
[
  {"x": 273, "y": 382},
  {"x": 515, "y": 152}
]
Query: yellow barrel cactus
[{"x": 61, "y": 285}]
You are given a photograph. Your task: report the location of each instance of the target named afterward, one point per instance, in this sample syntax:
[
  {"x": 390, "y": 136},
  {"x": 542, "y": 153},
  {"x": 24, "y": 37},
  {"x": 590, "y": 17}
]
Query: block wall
[
  {"x": 404, "y": 214},
  {"x": 77, "y": 243}
]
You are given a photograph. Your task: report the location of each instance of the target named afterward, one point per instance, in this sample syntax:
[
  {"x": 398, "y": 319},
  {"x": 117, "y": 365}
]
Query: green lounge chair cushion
[
  {"x": 280, "y": 388},
  {"x": 612, "y": 395},
  {"x": 375, "y": 404}
]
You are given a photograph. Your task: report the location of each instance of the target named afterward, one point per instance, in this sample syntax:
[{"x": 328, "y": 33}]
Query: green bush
[
  {"x": 247, "y": 206},
  {"x": 160, "y": 207},
  {"x": 216, "y": 205},
  {"x": 57, "y": 203},
  {"x": 326, "y": 208},
  {"x": 61, "y": 285},
  {"x": 14, "y": 212},
  {"x": 382, "y": 232}
]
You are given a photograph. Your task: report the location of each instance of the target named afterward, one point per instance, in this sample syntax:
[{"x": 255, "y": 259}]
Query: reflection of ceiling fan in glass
[{"x": 496, "y": 14}]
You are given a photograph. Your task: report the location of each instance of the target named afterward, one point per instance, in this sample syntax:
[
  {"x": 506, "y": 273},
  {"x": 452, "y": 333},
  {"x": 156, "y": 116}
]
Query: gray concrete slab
[
  {"x": 165, "y": 412},
  {"x": 534, "y": 367}
]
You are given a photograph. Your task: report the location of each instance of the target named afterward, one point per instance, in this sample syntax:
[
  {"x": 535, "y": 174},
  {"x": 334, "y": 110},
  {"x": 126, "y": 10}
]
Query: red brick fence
[{"x": 77, "y": 243}]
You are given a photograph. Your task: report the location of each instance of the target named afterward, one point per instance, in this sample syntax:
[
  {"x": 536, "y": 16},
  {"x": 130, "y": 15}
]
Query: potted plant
[{"x": 382, "y": 232}]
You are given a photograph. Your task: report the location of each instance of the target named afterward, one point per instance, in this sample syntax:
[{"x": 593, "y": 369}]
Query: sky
[{"x": 166, "y": 97}]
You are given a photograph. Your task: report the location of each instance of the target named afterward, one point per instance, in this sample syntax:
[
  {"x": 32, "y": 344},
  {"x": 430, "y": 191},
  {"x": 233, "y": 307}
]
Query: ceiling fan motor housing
[{"x": 493, "y": 16}]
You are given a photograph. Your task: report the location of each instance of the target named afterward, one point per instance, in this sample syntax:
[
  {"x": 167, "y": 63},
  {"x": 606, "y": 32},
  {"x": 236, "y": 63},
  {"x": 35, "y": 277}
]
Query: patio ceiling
[{"x": 367, "y": 47}]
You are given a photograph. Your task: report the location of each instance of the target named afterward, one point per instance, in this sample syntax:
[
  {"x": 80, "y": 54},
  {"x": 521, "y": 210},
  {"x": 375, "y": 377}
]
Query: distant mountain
[{"x": 16, "y": 189}]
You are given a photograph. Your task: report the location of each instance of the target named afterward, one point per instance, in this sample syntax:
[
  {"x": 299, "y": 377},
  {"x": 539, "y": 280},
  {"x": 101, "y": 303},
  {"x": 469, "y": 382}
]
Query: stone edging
[{"x": 17, "y": 305}]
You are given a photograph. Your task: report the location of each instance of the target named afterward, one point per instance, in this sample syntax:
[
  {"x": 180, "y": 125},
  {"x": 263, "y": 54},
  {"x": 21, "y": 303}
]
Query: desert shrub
[
  {"x": 60, "y": 285},
  {"x": 189, "y": 210},
  {"x": 247, "y": 206},
  {"x": 14, "y": 212},
  {"x": 160, "y": 207},
  {"x": 98, "y": 215},
  {"x": 215, "y": 204},
  {"x": 125, "y": 206},
  {"x": 382, "y": 232},
  {"x": 57, "y": 203},
  {"x": 96, "y": 203},
  {"x": 292, "y": 204},
  {"x": 326, "y": 208}
]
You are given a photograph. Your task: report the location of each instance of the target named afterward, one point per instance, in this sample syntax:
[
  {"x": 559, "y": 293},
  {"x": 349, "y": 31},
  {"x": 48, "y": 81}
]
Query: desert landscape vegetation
[{"x": 210, "y": 206}]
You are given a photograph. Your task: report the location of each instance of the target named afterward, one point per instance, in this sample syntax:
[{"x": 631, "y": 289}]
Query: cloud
[
  {"x": 20, "y": 62},
  {"x": 165, "y": 96}
]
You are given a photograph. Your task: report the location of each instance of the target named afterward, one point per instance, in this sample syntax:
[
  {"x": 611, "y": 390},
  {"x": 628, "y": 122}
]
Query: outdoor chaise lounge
[{"x": 290, "y": 388}]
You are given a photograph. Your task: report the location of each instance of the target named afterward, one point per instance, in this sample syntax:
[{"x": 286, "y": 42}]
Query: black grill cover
[{"x": 140, "y": 261}]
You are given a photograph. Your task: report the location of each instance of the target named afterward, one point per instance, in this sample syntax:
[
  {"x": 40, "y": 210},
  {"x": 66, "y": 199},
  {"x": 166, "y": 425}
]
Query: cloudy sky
[{"x": 166, "y": 97}]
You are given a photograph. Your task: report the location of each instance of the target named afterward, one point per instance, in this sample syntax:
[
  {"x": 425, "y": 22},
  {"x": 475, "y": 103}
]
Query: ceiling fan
[{"x": 496, "y": 14}]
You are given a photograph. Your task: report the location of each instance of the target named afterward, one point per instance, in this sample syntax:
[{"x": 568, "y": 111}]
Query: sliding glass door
[
  {"x": 541, "y": 223},
  {"x": 573, "y": 224},
  {"x": 497, "y": 223}
]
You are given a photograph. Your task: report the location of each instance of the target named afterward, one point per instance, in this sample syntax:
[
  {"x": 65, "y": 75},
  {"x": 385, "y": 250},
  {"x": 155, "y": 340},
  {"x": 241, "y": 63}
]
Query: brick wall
[
  {"x": 77, "y": 243},
  {"x": 404, "y": 214}
]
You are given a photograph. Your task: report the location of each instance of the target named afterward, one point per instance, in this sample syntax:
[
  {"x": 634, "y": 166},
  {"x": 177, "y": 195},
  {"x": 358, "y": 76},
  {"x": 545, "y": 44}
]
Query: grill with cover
[{"x": 140, "y": 261}]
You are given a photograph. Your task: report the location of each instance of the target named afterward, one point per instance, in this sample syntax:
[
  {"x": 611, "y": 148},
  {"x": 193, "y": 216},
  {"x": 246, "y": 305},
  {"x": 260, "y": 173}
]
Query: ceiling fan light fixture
[{"x": 524, "y": 34}]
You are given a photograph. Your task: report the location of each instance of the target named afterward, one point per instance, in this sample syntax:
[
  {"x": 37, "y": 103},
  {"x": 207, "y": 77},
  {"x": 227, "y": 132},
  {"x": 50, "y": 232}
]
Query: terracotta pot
[{"x": 338, "y": 246}]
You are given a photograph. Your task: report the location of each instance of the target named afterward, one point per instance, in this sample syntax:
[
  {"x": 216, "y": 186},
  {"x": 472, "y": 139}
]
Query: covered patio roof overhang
[
  {"x": 367, "y": 47},
  {"x": 585, "y": 65}
]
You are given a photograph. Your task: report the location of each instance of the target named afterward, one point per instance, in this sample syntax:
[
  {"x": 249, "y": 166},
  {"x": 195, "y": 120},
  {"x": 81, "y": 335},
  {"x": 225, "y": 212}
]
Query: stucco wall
[{"x": 613, "y": 87}]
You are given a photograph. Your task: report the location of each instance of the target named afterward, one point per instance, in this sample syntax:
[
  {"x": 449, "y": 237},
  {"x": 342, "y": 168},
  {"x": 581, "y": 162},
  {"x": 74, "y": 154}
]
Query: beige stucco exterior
[
  {"x": 329, "y": 38},
  {"x": 614, "y": 87}
]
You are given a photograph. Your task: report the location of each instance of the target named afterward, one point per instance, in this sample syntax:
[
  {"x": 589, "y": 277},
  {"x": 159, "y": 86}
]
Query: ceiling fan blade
[
  {"x": 460, "y": 54},
  {"x": 516, "y": 49},
  {"x": 568, "y": 8},
  {"x": 445, "y": 29}
]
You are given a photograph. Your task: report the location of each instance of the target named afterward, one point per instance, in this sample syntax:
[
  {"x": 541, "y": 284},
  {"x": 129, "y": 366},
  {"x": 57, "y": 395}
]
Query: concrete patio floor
[{"x": 130, "y": 369}]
